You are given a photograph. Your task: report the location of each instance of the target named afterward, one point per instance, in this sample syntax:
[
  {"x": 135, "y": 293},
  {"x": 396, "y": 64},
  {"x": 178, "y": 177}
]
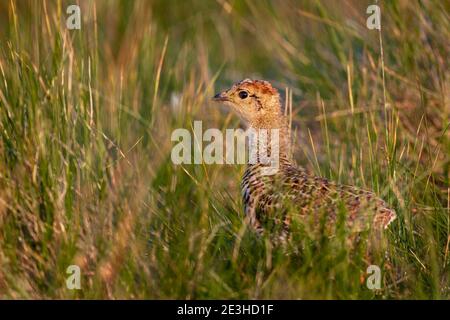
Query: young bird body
[{"x": 292, "y": 189}]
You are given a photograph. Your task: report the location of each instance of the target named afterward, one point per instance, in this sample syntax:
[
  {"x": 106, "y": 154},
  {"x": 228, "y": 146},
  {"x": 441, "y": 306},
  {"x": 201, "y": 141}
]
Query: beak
[{"x": 220, "y": 97}]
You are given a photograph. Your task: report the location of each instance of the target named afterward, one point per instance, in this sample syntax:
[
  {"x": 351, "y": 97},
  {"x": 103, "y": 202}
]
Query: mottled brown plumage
[{"x": 292, "y": 189}]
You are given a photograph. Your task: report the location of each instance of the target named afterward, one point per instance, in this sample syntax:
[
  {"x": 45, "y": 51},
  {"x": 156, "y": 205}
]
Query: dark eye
[{"x": 243, "y": 94}]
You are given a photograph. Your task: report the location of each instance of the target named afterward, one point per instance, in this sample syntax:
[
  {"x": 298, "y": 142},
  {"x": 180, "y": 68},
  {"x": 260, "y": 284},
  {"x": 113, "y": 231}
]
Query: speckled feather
[{"x": 309, "y": 196}]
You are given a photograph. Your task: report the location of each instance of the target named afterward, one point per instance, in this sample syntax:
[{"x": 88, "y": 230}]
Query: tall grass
[{"x": 85, "y": 123}]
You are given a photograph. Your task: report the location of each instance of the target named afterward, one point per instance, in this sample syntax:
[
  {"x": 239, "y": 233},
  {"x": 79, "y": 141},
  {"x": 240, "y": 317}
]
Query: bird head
[{"x": 255, "y": 101}]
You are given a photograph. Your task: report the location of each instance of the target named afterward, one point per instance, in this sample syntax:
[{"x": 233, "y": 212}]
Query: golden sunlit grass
[{"x": 86, "y": 116}]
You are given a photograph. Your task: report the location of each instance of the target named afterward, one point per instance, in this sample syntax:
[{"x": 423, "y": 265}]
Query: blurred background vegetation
[{"x": 85, "y": 123}]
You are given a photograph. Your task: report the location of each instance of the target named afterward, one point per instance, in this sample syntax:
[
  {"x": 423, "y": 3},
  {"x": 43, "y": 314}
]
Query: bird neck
[{"x": 272, "y": 133}]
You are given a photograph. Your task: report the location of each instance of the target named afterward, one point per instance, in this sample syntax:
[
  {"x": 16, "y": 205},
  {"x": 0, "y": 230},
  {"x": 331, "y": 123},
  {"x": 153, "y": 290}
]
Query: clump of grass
[{"x": 85, "y": 123}]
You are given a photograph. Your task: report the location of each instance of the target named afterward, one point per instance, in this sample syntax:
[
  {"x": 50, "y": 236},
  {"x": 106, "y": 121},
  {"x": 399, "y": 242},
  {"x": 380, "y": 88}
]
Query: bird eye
[{"x": 243, "y": 94}]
